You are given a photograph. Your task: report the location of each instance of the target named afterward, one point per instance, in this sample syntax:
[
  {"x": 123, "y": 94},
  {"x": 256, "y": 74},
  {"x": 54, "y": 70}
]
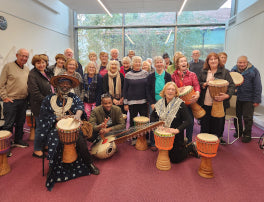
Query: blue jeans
[
  {"x": 40, "y": 139},
  {"x": 189, "y": 129}
]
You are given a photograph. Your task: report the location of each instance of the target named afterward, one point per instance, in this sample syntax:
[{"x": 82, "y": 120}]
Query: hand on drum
[
  {"x": 195, "y": 97},
  {"x": 221, "y": 97},
  {"x": 126, "y": 108},
  {"x": 78, "y": 115}
]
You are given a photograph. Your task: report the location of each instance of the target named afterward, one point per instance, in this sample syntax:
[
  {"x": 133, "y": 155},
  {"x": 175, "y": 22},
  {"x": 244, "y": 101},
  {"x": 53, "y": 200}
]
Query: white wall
[{"x": 36, "y": 28}]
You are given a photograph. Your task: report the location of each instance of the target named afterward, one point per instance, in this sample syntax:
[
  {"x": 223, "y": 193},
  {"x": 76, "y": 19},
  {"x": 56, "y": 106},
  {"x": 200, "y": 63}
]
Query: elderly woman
[
  {"x": 171, "y": 68},
  {"x": 172, "y": 110},
  {"x": 183, "y": 77},
  {"x": 212, "y": 70},
  {"x": 146, "y": 66},
  {"x": 155, "y": 83},
  {"x": 93, "y": 58},
  {"x": 222, "y": 57},
  {"x": 71, "y": 66},
  {"x": 126, "y": 65},
  {"x": 113, "y": 83},
  {"x": 92, "y": 88},
  {"x": 38, "y": 87},
  {"x": 103, "y": 56},
  {"x": 135, "y": 90},
  {"x": 58, "y": 67}
]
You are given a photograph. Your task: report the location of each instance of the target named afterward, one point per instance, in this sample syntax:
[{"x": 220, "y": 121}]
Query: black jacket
[
  {"x": 151, "y": 86},
  {"x": 38, "y": 88},
  {"x": 221, "y": 73}
]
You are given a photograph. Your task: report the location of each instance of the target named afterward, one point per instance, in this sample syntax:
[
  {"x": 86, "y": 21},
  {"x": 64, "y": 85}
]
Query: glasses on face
[
  {"x": 23, "y": 56},
  {"x": 171, "y": 89}
]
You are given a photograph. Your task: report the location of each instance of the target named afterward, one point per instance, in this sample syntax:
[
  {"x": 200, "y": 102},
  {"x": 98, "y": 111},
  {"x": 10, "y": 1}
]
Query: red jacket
[{"x": 187, "y": 79}]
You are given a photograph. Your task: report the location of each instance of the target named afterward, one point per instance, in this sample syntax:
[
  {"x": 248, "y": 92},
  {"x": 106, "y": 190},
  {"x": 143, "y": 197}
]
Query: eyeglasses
[{"x": 23, "y": 56}]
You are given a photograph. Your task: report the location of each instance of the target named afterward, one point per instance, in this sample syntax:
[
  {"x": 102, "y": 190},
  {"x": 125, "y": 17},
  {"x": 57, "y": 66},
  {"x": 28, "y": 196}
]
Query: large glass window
[
  {"x": 149, "y": 42},
  {"x": 99, "y": 20},
  {"x": 243, "y": 4}
]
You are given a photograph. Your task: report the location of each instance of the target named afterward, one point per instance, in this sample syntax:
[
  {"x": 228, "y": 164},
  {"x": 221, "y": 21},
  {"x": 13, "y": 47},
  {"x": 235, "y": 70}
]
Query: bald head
[
  {"x": 242, "y": 62},
  {"x": 196, "y": 55},
  {"x": 22, "y": 57}
]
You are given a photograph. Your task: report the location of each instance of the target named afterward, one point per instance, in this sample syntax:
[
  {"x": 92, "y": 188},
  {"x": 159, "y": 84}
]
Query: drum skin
[
  {"x": 141, "y": 122},
  {"x": 238, "y": 79},
  {"x": 106, "y": 150}
]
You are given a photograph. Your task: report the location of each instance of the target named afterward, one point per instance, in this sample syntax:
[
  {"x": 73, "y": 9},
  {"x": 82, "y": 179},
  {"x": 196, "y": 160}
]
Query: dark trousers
[
  {"x": 245, "y": 110},
  {"x": 212, "y": 125},
  {"x": 142, "y": 109},
  {"x": 15, "y": 114},
  {"x": 81, "y": 146}
]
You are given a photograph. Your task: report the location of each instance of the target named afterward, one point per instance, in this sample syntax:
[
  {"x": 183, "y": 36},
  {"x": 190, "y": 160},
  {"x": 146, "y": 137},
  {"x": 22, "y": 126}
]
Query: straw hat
[{"x": 55, "y": 80}]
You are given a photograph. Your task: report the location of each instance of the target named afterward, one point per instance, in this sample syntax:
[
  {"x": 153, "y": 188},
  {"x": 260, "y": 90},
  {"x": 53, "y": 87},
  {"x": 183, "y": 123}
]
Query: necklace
[{"x": 60, "y": 111}]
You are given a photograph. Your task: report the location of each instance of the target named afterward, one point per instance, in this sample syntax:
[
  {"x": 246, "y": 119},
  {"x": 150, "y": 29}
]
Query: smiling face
[
  {"x": 71, "y": 67},
  {"x": 41, "y": 65},
  {"x": 159, "y": 65},
  {"x": 104, "y": 58},
  {"x": 223, "y": 59},
  {"x": 60, "y": 62},
  {"x": 170, "y": 92},
  {"x": 126, "y": 64},
  {"x": 22, "y": 57},
  {"x": 113, "y": 67},
  {"x": 68, "y": 53},
  {"x": 183, "y": 64},
  {"x": 213, "y": 62},
  {"x": 114, "y": 54},
  {"x": 91, "y": 69},
  {"x": 93, "y": 58},
  {"x": 242, "y": 63},
  {"x": 137, "y": 65},
  {"x": 107, "y": 103},
  {"x": 64, "y": 86}
]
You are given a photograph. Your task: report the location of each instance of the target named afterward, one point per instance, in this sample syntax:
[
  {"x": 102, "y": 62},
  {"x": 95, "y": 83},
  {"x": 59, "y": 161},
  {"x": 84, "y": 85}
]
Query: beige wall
[{"x": 36, "y": 28}]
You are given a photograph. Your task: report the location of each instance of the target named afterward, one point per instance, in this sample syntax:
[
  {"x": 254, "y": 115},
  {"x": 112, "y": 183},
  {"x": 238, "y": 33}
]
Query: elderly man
[
  {"x": 248, "y": 96},
  {"x": 69, "y": 54},
  {"x": 54, "y": 108},
  {"x": 106, "y": 117},
  {"x": 13, "y": 92},
  {"x": 196, "y": 64},
  {"x": 114, "y": 55},
  {"x": 131, "y": 53},
  {"x": 166, "y": 58}
]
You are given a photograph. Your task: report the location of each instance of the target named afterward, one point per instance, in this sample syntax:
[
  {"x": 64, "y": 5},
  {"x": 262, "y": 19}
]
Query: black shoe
[
  {"x": 94, "y": 170},
  {"x": 9, "y": 154},
  {"x": 21, "y": 143},
  {"x": 39, "y": 156},
  {"x": 192, "y": 151},
  {"x": 222, "y": 141},
  {"x": 246, "y": 139},
  {"x": 235, "y": 135}
]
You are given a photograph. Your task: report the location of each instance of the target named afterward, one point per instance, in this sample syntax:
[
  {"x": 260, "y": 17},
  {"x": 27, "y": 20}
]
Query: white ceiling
[{"x": 140, "y": 6}]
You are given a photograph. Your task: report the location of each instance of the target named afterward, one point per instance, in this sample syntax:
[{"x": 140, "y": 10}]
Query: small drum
[
  {"x": 164, "y": 142},
  {"x": 215, "y": 88},
  {"x": 106, "y": 150},
  {"x": 186, "y": 94},
  {"x": 4, "y": 148},
  {"x": 207, "y": 146},
  {"x": 31, "y": 124},
  {"x": 68, "y": 130},
  {"x": 238, "y": 79},
  {"x": 141, "y": 122}
]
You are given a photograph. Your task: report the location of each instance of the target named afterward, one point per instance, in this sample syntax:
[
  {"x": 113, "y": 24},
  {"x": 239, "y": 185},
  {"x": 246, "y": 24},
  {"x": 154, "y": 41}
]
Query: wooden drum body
[
  {"x": 4, "y": 148},
  {"x": 164, "y": 142},
  {"x": 215, "y": 88},
  {"x": 207, "y": 146},
  {"x": 31, "y": 124},
  {"x": 106, "y": 150},
  {"x": 68, "y": 130},
  {"x": 186, "y": 94},
  {"x": 141, "y": 122}
]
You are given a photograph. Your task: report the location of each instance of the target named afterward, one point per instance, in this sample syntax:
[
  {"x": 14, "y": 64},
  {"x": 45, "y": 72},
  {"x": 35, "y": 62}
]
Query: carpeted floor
[{"x": 131, "y": 175}]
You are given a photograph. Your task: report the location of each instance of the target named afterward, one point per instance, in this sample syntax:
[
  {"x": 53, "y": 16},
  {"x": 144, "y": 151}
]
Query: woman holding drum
[
  {"x": 183, "y": 77},
  {"x": 155, "y": 84},
  {"x": 172, "y": 110},
  {"x": 214, "y": 74},
  {"x": 113, "y": 82},
  {"x": 38, "y": 87}
]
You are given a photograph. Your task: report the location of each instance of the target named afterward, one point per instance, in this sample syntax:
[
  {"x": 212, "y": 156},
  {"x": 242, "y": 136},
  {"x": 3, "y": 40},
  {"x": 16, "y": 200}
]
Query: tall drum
[
  {"x": 4, "y": 148},
  {"x": 164, "y": 142},
  {"x": 141, "y": 122},
  {"x": 215, "y": 88},
  {"x": 68, "y": 130},
  {"x": 186, "y": 94},
  {"x": 31, "y": 124},
  {"x": 207, "y": 146}
]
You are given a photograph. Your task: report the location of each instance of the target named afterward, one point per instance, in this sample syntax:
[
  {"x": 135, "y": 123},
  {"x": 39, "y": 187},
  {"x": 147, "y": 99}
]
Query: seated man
[
  {"x": 54, "y": 107},
  {"x": 106, "y": 117}
]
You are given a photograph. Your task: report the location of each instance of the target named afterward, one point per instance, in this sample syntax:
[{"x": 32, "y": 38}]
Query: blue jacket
[{"x": 251, "y": 88}]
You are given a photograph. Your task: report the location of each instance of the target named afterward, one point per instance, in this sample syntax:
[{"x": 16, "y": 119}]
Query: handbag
[{"x": 87, "y": 129}]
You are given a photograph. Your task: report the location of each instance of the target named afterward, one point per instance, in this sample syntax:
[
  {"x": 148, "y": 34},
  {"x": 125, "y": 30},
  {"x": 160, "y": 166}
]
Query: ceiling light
[
  {"x": 130, "y": 39},
  {"x": 182, "y": 7},
  {"x": 106, "y": 10}
]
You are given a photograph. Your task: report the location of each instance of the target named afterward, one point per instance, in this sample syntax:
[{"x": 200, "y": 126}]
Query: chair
[{"x": 231, "y": 114}]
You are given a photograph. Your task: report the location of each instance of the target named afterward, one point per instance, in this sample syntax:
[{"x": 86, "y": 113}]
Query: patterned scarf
[
  {"x": 168, "y": 113},
  {"x": 114, "y": 92}
]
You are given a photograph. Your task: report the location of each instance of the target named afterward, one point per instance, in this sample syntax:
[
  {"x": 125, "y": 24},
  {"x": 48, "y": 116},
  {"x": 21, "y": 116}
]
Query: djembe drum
[
  {"x": 4, "y": 148},
  {"x": 238, "y": 79},
  {"x": 164, "y": 142},
  {"x": 31, "y": 124},
  {"x": 68, "y": 130},
  {"x": 215, "y": 88},
  {"x": 141, "y": 122},
  {"x": 186, "y": 94},
  {"x": 207, "y": 146}
]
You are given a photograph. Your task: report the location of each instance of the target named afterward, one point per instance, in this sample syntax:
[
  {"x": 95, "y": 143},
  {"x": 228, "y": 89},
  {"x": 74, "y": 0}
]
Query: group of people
[{"x": 102, "y": 93}]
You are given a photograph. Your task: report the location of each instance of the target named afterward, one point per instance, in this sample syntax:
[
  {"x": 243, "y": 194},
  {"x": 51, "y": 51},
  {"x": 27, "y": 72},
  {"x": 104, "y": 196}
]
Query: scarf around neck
[{"x": 114, "y": 91}]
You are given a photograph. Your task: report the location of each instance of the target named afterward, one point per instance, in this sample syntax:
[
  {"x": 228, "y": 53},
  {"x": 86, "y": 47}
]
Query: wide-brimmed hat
[{"x": 55, "y": 80}]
